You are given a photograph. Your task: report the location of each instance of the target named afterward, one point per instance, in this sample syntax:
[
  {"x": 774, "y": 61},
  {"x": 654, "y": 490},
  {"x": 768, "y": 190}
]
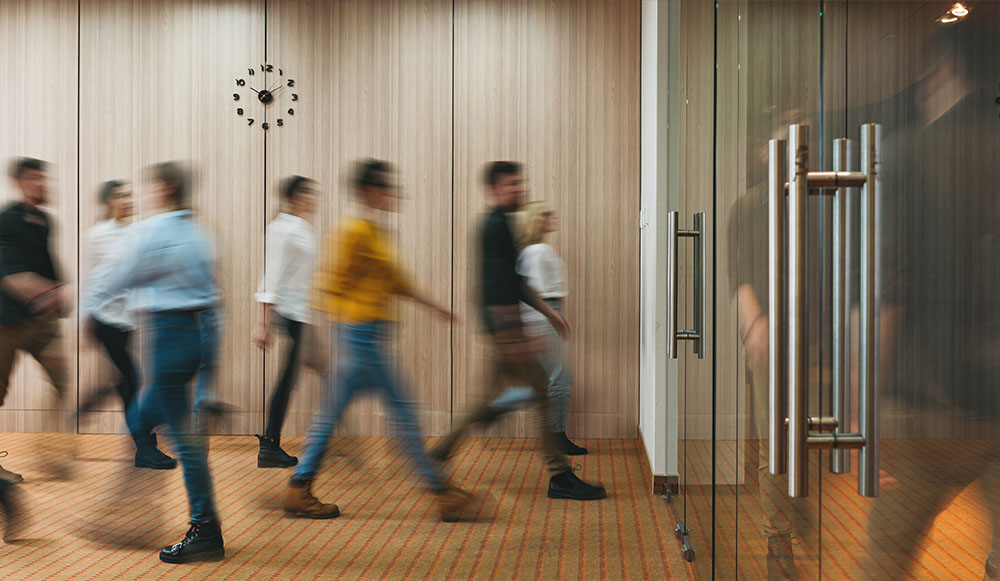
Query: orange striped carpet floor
[{"x": 108, "y": 520}]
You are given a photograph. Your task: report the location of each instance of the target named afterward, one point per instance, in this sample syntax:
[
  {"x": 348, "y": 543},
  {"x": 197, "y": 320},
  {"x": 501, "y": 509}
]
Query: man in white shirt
[{"x": 284, "y": 293}]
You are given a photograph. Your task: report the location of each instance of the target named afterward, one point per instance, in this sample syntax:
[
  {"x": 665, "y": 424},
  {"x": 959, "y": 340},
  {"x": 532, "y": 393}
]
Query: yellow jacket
[{"x": 358, "y": 273}]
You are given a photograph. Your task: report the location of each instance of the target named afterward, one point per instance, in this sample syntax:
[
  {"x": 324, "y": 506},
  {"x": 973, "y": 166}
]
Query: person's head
[
  {"x": 375, "y": 184},
  {"x": 30, "y": 177},
  {"x": 116, "y": 199},
  {"x": 299, "y": 195},
  {"x": 169, "y": 185},
  {"x": 504, "y": 183},
  {"x": 537, "y": 220}
]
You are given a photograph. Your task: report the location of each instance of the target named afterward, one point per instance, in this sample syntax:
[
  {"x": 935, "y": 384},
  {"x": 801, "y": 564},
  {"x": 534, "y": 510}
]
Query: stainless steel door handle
[{"x": 697, "y": 334}]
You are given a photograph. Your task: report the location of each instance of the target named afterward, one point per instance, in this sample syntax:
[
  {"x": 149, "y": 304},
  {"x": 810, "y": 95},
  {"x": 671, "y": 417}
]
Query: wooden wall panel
[
  {"x": 555, "y": 85},
  {"x": 374, "y": 80},
  {"x": 159, "y": 79},
  {"x": 38, "y": 118}
]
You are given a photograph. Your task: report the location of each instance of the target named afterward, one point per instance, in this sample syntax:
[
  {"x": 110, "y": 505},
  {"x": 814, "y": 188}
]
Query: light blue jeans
[
  {"x": 555, "y": 360},
  {"x": 363, "y": 365}
]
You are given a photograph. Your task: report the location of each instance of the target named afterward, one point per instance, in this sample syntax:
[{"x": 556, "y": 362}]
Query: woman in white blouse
[
  {"x": 284, "y": 299},
  {"x": 113, "y": 322},
  {"x": 545, "y": 272}
]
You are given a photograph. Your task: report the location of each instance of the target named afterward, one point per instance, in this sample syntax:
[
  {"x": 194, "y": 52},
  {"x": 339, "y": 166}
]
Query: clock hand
[{"x": 254, "y": 90}]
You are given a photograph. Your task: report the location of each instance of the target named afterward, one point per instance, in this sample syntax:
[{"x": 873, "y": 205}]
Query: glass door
[{"x": 854, "y": 287}]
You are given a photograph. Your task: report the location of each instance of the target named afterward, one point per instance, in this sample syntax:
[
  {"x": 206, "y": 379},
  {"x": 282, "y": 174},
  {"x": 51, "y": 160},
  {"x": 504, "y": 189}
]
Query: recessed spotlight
[
  {"x": 947, "y": 19},
  {"x": 959, "y": 10}
]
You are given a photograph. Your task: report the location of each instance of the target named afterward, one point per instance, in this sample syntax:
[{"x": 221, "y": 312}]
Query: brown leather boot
[
  {"x": 452, "y": 502},
  {"x": 300, "y": 502}
]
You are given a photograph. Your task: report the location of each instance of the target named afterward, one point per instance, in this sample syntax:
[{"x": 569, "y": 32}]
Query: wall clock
[{"x": 265, "y": 91}]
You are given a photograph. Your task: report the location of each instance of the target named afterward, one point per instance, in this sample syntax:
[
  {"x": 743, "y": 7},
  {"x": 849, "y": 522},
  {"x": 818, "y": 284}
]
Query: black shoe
[
  {"x": 8, "y": 476},
  {"x": 568, "y": 447},
  {"x": 203, "y": 542},
  {"x": 147, "y": 455},
  {"x": 272, "y": 456},
  {"x": 568, "y": 485},
  {"x": 10, "y": 504}
]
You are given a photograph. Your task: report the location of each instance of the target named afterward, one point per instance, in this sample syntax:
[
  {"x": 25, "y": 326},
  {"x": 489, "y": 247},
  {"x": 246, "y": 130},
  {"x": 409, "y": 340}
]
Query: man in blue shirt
[{"x": 169, "y": 261}]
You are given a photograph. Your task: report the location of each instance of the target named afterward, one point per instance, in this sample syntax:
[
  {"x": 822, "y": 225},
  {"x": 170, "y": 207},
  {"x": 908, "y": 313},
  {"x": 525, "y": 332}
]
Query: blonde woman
[{"x": 545, "y": 272}]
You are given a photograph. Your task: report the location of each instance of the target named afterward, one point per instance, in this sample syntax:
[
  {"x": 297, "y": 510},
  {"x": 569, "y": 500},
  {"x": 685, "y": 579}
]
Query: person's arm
[
  {"x": 116, "y": 274},
  {"x": 40, "y": 295},
  {"x": 276, "y": 275},
  {"x": 533, "y": 300}
]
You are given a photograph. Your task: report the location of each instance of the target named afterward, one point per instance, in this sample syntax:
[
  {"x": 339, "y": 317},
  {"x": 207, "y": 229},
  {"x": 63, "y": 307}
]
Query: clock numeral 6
[
  {"x": 295, "y": 96},
  {"x": 290, "y": 82},
  {"x": 250, "y": 121},
  {"x": 239, "y": 110},
  {"x": 281, "y": 122},
  {"x": 240, "y": 82},
  {"x": 264, "y": 126},
  {"x": 250, "y": 72},
  {"x": 236, "y": 96},
  {"x": 291, "y": 111}
]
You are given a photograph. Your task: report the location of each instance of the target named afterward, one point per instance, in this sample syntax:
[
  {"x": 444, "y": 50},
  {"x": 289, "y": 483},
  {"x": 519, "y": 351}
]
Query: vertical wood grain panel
[
  {"x": 38, "y": 118},
  {"x": 555, "y": 85}
]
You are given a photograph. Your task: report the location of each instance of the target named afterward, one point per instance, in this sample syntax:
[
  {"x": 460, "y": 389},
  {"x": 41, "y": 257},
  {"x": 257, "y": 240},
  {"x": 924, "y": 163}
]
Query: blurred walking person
[
  {"x": 357, "y": 277},
  {"x": 516, "y": 353},
  {"x": 32, "y": 294},
  {"x": 284, "y": 303},
  {"x": 114, "y": 323},
  {"x": 170, "y": 258}
]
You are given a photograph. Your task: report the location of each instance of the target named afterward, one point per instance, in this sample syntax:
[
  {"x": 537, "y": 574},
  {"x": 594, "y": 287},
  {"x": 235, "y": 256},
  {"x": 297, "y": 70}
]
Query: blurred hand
[
  {"x": 561, "y": 326},
  {"x": 261, "y": 336}
]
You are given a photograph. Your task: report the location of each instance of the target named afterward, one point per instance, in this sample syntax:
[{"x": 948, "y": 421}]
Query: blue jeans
[
  {"x": 363, "y": 365},
  {"x": 211, "y": 324},
  {"x": 555, "y": 360},
  {"x": 177, "y": 354}
]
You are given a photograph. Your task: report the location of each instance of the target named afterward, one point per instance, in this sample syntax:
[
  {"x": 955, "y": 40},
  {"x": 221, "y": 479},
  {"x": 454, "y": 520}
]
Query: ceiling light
[
  {"x": 959, "y": 10},
  {"x": 947, "y": 19}
]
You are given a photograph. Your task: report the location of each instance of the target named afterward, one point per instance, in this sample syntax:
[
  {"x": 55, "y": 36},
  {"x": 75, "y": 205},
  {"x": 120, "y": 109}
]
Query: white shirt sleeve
[
  {"x": 529, "y": 265},
  {"x": 277, "y": 265},
  {"x": 115, "y": 274}
]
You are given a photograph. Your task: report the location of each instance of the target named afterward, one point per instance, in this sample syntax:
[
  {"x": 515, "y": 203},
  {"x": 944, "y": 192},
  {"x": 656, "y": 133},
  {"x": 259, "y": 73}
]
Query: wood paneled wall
[{"x": 438, "y": 88}]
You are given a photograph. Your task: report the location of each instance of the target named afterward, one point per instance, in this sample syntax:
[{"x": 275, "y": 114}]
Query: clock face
[{"x": 265, "y": 92}]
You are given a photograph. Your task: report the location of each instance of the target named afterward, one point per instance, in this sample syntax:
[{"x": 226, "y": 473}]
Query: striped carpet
[{"x": 109, "y": 520}]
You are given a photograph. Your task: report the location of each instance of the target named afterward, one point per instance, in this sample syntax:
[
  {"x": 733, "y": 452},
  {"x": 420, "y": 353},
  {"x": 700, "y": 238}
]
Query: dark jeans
[
  {"x": 210, "y": 337},
  {"x": 289, "y": 373},
  {"x": 177, "y": 353},
  {"x": 116, "y": 342}
]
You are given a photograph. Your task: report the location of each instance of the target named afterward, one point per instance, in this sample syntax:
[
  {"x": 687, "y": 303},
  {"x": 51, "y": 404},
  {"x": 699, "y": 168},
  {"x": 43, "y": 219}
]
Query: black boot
[
  {"x": 568, "y": 485},
  {"x": 10, "y": 504},
  {"x": 568, "y": 447},
  {"x": 147, "y": 455},
  {"x": 203, "y": 542},
  {"x": 7, "y": 475},
  {"x": 272, "y": 456}
]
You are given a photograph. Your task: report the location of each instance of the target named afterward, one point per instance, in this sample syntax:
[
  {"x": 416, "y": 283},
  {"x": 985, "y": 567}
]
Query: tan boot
[
  {"x": 300, "y": 502},
  {"x": 452, "y": 502}
]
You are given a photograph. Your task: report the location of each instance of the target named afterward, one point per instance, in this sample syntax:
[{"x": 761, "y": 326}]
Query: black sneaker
[
  {"x": 568, "y": 485},
  {"x": 10, "y": 504},
  {"x": 272, "y": 456},
  {"x": 147, "y": 455},
  {"x": 203, "y": 542},
  {"x": 568, "y": 447}
]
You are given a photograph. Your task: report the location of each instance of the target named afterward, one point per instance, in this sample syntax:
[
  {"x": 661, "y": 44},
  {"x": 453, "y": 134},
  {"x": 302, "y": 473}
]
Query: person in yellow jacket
[{"x": 357, "y": 278}]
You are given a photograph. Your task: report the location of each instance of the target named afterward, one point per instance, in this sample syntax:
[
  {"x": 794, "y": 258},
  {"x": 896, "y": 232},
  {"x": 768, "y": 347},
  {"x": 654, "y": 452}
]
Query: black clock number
[
  {"x": 239, "y": 110},
  {"x": 250, "y": 72},
  {"x": 295, "y": 96},
  {"x": 236, "y": 96},
  {"x": 281, "y": 122},
  {"x": 264, "y": 126},
  {"x": 280, "y": 72},
  {"x": 240, "y": 82},
  {"x": 291, "y": 111},
  {"x": 250, "y": 121},
  {"x": 262, "y": 68},
  {"x": 269, "y": 68},
  {"x": 290, "y": 82}
]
